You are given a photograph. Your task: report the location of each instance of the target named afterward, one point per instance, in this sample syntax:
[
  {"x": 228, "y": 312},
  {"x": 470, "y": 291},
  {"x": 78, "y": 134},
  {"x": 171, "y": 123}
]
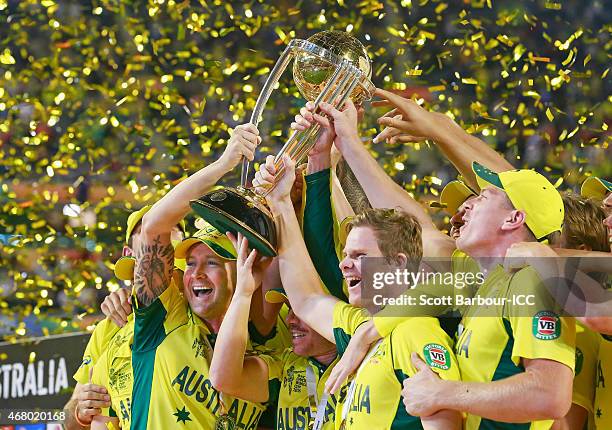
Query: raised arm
[
  {"x": 230, "y": 371},
  {"x": 300, "y": 280},
  {"x": 154, "y": 251},
  {"x": 460, "y": 147},
  {"x": 318, "y": 221},
  {"x": 381, "y": 190},
  {"x": 264, "y": 315}
]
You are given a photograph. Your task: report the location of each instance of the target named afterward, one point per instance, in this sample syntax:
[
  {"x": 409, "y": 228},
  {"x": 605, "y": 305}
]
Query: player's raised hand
[
  {"x": 407, "y": 121},
  {"x": 242, "y": 143},
  {"x": 117, "y": 306},
  {"x": 249, "y": 266},
  {"x": 275, "y": 183},
  {"x": 306, "y": 119},
  {"x": 344, "y": 123}
]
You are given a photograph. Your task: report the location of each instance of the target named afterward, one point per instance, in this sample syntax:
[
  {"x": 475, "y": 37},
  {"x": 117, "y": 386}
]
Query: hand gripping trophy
[{"x": 330, "y": 66}]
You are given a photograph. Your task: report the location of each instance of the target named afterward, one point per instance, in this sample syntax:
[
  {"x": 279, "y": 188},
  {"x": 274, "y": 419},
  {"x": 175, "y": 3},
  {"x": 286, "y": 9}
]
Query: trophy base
[{"x": 239, "y": 211}]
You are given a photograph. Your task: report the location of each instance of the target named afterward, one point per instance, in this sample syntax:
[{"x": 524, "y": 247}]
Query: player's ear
[
  {"x": 400, "y": 260},
  {"x": 515, "y": 220},
  {"x": 127, "y": 251}
]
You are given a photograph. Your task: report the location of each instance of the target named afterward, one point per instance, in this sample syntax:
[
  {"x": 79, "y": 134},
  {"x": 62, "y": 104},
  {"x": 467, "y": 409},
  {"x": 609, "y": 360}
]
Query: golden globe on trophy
[{"x": 330, "y": 66}]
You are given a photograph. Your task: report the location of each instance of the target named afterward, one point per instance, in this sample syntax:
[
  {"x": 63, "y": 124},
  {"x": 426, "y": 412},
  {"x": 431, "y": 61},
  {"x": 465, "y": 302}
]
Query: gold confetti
[{"x": 126, "y": 101}]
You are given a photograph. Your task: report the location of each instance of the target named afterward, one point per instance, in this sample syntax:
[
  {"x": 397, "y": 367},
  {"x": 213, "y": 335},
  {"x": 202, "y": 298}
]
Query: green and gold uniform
[
  {"x": 377, "y": 403},
  {"x": 319, "y": 229},
  {"x": 170, "y": 360},
  {"x": 278, "y": 339},
  {"x": 288, "y": 370},
  {"x": 494, "y": 339},
  {"x": 603, "y": 385},
  {"x": 113, "y": 370},
  {"x": 104, "y": 331},
  {"x": 587, "y": 349}
]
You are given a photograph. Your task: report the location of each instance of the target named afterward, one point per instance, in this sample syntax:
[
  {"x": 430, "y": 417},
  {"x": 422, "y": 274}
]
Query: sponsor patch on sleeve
[
  {"x": 546, "y": 325},
  {"x": 437, "y": 355}
]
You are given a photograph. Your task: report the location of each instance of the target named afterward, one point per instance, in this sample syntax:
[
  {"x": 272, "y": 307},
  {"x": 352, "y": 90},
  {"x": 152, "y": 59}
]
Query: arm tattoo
[
  {"x": 352, "y": 188},
  {"x": 153, "y": 271}
]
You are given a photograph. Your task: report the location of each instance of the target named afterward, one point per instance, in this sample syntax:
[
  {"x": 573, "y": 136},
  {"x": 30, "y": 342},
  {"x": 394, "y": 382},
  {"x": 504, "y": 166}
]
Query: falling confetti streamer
[{"x": 104, "y": 105}]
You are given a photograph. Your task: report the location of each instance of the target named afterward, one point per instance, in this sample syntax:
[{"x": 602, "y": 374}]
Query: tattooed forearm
[
  {"x": 352, "y": 188},
  {"x": 153, "y": 271}
]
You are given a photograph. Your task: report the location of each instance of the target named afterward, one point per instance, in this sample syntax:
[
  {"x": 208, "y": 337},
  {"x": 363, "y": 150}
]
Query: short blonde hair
[
  {"x": 583, "y": 223},
  {"x": 396, "y": 232}
]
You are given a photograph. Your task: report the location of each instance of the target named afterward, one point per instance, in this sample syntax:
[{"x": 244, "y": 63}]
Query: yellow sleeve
[
  {"x": 425, "y": 337},
  {"x": 386, "y": 324},
  {"x": 587, "y": 350},
  {"x": 538, "y": 330},
  {"x": 104, "y": 331},
  {"x": 279, "y": 339},
  {"x": 99, "y": 376},
  {"x": 274, "y": 361},
  {"x": 461, "y": 262},
  {"x": 346, "y": 320}
]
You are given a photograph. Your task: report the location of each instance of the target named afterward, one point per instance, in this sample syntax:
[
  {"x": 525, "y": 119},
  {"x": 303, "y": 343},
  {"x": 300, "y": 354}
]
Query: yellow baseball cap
[
  {"x": 133, "y": 220},
  {"x": 343, "y": 230},
  {"x": 454, "y": 194},
  {"x": 124, "y": 267},
  {"x": 529, "y": 192},
  {"x": 276, "y": 295},
  {"x": 211, "y": 237},
  {"x": 595, "y": 187}
]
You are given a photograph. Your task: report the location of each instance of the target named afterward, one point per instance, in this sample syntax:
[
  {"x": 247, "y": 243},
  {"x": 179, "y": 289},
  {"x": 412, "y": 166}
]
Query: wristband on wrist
[{"x": 76, "y": 417}]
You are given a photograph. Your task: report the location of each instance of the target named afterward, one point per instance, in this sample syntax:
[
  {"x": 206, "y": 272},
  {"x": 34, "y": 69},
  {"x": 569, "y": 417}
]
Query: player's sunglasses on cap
[
  {"x": 124, "y": 267},
  {"x": 596, "y": 188},
  {"x": 211, "y": 237},
  {"x": 453, "y": 195},
  {"x": 276, "y": 295},
  {"x": 529, "y": 192}
]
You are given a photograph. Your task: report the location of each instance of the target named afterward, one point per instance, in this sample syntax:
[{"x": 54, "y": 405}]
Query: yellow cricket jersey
[
  {"x": 288, "y": 373},
  {"x": 280, "y": 337},
  {"x": 603, "y": 385},
  {"x": 113, "y": 370},
  {"x": 104, "y": 331},
  {"x": 274, "y": 344},
  {"x": 170, "y": 361},
  {"x": 587, "y": 348},
  {"x": 377, "y": 403},
  {"x": 493, "y": 339}
]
